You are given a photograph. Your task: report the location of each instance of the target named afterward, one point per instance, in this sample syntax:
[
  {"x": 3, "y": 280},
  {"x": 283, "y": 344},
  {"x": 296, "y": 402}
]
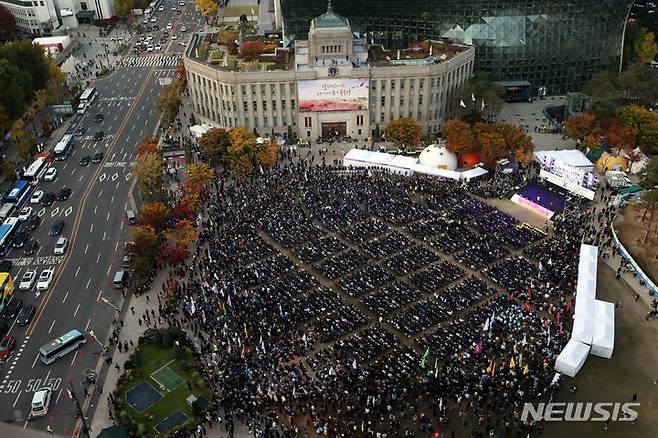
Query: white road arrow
[
  {"x": 103, "y": 177},
  {"x": 68, "y": 211},
  {"x": 115, "y": 176},
  {"x": 55, "y": 212},
  {"x": 41, "y": 212}
]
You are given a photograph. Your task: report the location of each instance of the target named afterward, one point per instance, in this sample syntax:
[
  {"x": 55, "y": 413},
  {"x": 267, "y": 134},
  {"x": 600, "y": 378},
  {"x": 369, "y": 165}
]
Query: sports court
[
  {"x": 142, "y": 396},
  {"x": 167, "y": 379},
  {"x": 175, "y": 419}
]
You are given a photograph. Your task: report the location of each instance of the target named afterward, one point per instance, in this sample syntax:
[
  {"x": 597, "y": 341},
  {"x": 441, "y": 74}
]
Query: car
[
  {"x": 79, "y": 132},
  {"x": 27, "y": 281},
  {"x": 84, "y": 161},
  {"x": 161, "y": 8},
  {"x": 169, "y": 26},
  {"x": 98, "y": 118},
  {"x": 64, "y": 194},
  {"x": 125, "y": 263},
  {"x": 57, "y": 228},
  {"x": 7, "y": 346},
  {"x": 149, "y": 37},
  {"x": 46, "y": 277},
  {"x": 50, "y": 174},
  {"x": 154, "y": 19},
  {"x": 98, "y": 157},
  {"x": 99, "y": 135},
  {"x": 181, "y": 3},
  {"x": 19, "y": 239},
  {"x": 6, "y": 265},
  {"x": 32, "y": 247},
  {"x": 156, "y": 27},
  {"x": 33, "y": 223},
  {"x": 173, "y": 36},
  {"x": 149, "y": 48},
  {"x": 11, "y": 310},
  {"x": 48, "y": 199},
  {"x": 60, "y": 246},
  {"x": 25, "y": 214},
  {"x": 183, "y": 29},
  {"x": 36, "y": 197},
  {"x": 157, "y": 47},
  {"x": 25, "y": 315},
  {"x": 41, "y": 402},
  {"x": 173, "y": 9}
]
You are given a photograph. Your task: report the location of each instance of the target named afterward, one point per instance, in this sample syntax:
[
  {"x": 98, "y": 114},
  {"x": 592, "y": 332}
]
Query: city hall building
[{"x": 332, "y": 83}]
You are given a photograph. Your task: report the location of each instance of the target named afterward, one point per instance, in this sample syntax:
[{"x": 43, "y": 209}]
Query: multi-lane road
[{"x": 97, "y": 230}]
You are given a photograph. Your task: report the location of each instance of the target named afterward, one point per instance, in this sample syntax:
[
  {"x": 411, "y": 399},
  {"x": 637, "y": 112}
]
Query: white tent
[
  {"x": 583, "y": 329},
  {"x": 604, "y": 312},
  {"x": 584, "y": 307},
  {"x": 603, "y": 342},
  {"x": 198, "y": 130},
  {"x": 572, "y": 358},
  {"x": 69, "y": 65},
  {"x": 572, "y": 157}
]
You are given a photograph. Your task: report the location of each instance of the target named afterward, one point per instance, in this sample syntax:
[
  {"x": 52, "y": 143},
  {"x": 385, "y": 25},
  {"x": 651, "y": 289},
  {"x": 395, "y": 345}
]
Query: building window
[
  {"x": 308, "y": 134},
  {"x": 420, "y": 99},
  {"x": 383, "y": 100}
]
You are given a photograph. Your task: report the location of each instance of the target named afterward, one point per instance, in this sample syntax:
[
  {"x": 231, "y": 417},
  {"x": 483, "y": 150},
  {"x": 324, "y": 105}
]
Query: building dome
[
  {"x": 436, "y": 155},
  {"x": 469, "y": 159},
  {"x": 330, "y": 19}
]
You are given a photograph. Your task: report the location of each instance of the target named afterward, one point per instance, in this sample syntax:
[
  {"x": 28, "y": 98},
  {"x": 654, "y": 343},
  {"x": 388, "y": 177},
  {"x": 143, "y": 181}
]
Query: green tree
[
  {"x": 404, "y": 131},
  {"x": 644, "y": 122},
  {"x": 215, "y": 144},
  {"x": 649, "y": 175},
  {"x": 484, "y": 91},
  {"x": 148, "y": 171},
  {"x": 646, "y": 48},
  {"x": 170, "y": 99},
  {"x": 122, "y": 7}
]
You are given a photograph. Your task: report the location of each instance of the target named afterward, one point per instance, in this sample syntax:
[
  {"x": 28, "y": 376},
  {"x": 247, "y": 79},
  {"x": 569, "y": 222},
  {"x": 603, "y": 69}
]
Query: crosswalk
[{"x": 158, "y": 60}]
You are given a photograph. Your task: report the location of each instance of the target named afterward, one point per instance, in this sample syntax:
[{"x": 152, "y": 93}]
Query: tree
[
  {"x": 149, "y": 146},
  {"x": 170, "y": 99},
  {"x": 458, "y": 135},
  {"x": 148, "y": 171},
  {"x": 484, "y": 91},
  {"x": 579, "y": 126},
  {"x": 601, "y": 87},
  {"x": 518, "y": 144},
  {"x": 645, "y": 125},
  {"x": 145, "y": 248},
  {"x": 183, "y": 233},
  {"x": 241, "y": 166},
  {"x": 620, "y": 137},
  {"x": 215, "y": 144},
  {"x": 7, "y": 24},
  {"x": 122, "y": 7},
  {"x": 199, "y": 174},
  {"x": 8, "y": 170},
  {"x": 268, "y": 154},
  {"x": 207, "y": 7},
  {"x": 646, "y": 48},
  {"x": 156, "y": 215},
  {"x": 404, "y": 131},
  {"x": 649, "y": 174},
  {"x": 180, "y": 71},
  {"x": 490, "y": 142},
  {"x": 241, "y": 151}
]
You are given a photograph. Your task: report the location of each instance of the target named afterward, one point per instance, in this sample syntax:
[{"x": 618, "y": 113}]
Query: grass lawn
[
  {"x": 236, "y": 11},
  {"x": 152, "y": 358}
]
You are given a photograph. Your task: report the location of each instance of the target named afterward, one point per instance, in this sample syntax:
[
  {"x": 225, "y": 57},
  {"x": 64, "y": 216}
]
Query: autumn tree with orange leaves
[{"x": 458, "y": 135}]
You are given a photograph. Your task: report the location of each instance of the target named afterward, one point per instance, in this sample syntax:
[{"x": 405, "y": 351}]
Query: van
[
  {"x": 119, "y": 280},
  {"x": 131, "y": 216},
  {"x": 81, "y": 108}
]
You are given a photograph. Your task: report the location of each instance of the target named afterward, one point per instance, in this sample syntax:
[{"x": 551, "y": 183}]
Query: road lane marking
[
  {"x": 65, "y": 296},
  {"x": 59, "y": 395},
  {"x": 109, "y": 268},
  {"x": 95, "y": 208},
  {"x": 74, "y": 357},
  {"x": 116, "y": 246},
  {"x": 88, "y": 282},
  {"x": 91, "y": 228},
  {"x": 104, "y": 234},
  {"x": 17, "y": 397},
  {"x": 77, "y": 271},
  {"x": 87, "y": 326},
  {"x": 76, "y": 310},
  {"x": 52, "y": 325},
  {"x": 98, "y": 258},
  {"x": 35, "y": 360},
  {"x": 86, "y": 248}
]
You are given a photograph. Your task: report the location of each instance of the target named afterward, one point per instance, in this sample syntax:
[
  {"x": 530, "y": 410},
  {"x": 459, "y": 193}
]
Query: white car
[
  {"x": 181, "y": 4},
  {"x": 157, "y": 47},
  {"x": 40, "y": 402},
  {"x": 36, "y": 197},
  {"x": 169, "y": 26},
  {"x": 27, "y": 281},
  {"x": 45, "y": 279},
  {"x": 50, "y": 174},
  {"x": 161, "y": 8},
  {"x": 173, "y": 9},
  {"x": 60, "y": 246},
  {"x": 25, "y": 214},
  {"x": 154, "y": 19},
  {"x": 183, "y": 29},
  {"x": 149, "y": 38},
  {"x": 149, "y": 48}
]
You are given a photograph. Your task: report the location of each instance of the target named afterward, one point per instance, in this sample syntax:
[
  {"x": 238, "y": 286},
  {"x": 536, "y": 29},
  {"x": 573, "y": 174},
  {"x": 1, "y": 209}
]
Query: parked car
[
  {"x": 45, "y": 279},
  {"x": 50, "y": 174},
  {"x": 99, "y": 135},
  {"x": 57, "y": 228},
  {"x": 7, "y": 346},
  {"x": 98, "y": 118},
  {"x": 25, "y": 315},
  {"x": 27, "y": 281},
  {"x": 12, "y": 309},
  {"x": 98, "y": 157},
  {"x": 20, "y": 239}
]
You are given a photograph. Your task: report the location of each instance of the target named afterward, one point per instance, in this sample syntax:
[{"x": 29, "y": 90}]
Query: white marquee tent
[
  {"x": 572, "y": 358},
  {"x": 603, "y": 341},
  {"x": 572, "y": 157}
]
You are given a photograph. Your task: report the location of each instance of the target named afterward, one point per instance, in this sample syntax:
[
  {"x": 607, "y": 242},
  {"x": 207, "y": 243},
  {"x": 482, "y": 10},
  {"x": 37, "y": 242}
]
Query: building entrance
[{"x": 333, "y": 129}]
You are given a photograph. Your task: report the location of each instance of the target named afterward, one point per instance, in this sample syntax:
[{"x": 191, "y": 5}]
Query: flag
[
  {"x": 354, "y": 364},
  {"x": 569, "y": 304},
  {"x": 524, "y": 340},
  {"x": 485, "y": 328},
  {"x": 224, "y": 308},
  {"x": 436, "y": 367},
  {"x": 526, "y": 306},
  {"x": 521, "y": 359},
  {"x": 493, "y": 369},
  {"x": 473, "y": 97},
  {"x": 529, "y": 293},
  {"x": 461, "y": 103},
  {"x": 478, "y": 347},
  {"x": 511, "y": 295},
  {"x": 482, "y": 104},
  {"x": 512, "y": 364},
  {"x": 558, "y": 316},
  {"x": 541, "y": 267},
  {"x": 490, "y": 365},
  {"x": 526, "y": 370},
  {"x": 425, "y": 356},
  {"x": 246, "y": 335}
]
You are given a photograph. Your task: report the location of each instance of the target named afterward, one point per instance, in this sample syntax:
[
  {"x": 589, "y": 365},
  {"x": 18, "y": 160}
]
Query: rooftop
[
  {"x": 330, "y": 19},
  {"x": 425, "y": 53}
]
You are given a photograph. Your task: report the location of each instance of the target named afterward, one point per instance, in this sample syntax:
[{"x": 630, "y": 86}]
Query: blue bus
[
  {"x": 63, "y": 147},
  {"x": 20, "y": 194},
  {"x": 7, "y": 230}
]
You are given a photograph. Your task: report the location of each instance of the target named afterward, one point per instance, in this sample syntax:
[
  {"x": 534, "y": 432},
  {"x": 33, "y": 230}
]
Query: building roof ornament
[{"x": 330, "y": 19}]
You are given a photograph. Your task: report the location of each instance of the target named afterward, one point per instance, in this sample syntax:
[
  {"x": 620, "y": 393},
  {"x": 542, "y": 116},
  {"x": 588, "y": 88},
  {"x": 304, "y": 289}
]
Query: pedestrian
[
  {"x": 50, "y": 429},
  {"x": 132, "y": 309}
]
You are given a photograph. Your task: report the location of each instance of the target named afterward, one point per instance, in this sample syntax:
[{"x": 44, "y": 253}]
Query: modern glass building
[{"x": 555, "y": 43}]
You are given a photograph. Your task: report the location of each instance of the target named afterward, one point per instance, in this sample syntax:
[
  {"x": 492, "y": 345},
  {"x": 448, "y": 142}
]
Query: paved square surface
[{"x": 142, "y": 396}]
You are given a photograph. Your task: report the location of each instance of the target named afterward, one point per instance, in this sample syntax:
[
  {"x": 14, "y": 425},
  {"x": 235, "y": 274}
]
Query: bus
[
  {"x": 35, "y": 171},
  {"x": 6, "y": 210},
  {"x": 7, "y": 230},
  {"x": 61, "y": 346},
  {"x": 20, "y": 194},
  {"x": 63, "y": 147},
  {"x": 88, "y": 96}
]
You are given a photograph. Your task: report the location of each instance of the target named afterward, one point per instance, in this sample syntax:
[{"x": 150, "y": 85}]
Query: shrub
[
  {"x": 184, "y": 366},
  {"x": 167, "y": 340},
  {"x": 179, "y": 353}
]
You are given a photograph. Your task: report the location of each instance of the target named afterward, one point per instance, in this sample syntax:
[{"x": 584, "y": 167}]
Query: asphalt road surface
[{"x": 97, "y": 230}]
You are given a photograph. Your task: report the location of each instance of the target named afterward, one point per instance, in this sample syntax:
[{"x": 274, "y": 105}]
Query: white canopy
[
  {"x": 198, "y": 130},
  {"x": 603, "y": 342},
  {"x": 572, "y": 157},
  {"x": 583, "y": 329},
  {"x": 585, "y": 307},
  {"x": 572, "y": 358},
  {"x": 604, "y": 312}
]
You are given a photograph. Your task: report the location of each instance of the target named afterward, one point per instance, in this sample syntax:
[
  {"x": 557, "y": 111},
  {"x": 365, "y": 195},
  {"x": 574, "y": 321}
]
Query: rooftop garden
[{"x": 422, "y": 50}]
